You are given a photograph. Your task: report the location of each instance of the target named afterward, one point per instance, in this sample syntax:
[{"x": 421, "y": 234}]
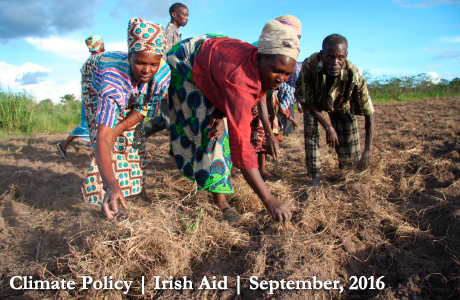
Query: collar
[
  {"x": 175, "y": 29},
  {"x": 343, "y": 76}
]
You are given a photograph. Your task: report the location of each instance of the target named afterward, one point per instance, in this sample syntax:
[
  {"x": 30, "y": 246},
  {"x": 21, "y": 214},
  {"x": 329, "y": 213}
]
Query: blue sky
[{"x": 42, "y": 41}]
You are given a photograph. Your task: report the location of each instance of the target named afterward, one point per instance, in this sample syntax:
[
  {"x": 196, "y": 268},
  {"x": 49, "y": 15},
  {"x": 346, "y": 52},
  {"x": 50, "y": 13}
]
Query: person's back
[{"x": 96, "y": 47}]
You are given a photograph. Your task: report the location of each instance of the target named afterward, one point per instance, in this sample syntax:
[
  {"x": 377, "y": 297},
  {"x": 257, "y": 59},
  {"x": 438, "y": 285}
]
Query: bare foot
[{"x": 278, "y": 210}]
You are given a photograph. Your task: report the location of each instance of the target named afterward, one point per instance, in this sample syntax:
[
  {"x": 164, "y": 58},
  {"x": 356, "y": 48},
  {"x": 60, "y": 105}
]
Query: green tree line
[
  {"x": 21, "y": 115},
  {"x": 406, "y": 88}
]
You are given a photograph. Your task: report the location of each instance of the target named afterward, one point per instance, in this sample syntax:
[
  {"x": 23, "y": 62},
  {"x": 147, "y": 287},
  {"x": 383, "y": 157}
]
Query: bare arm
[
  {"x": 369, "y": 124},
  {"x": 278, "y": 210},
  {"x": 331, "y": 135},
  {"x": 105, "y": 139},
  {"x": 288, "y": 116},
  {"x": 364, "y": 102},
  {"x": 299, "y": 107},
  {"x": 133, "y": 118},
  {"x": 367, "y": 153},
  {"x": 272, "y": 143}
]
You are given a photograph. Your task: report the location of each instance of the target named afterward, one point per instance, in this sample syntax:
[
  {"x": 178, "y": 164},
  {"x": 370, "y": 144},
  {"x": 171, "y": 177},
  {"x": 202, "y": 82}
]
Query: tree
[
  {"x": 68, "y": 98},
  {"x": 455, "y": 81}
]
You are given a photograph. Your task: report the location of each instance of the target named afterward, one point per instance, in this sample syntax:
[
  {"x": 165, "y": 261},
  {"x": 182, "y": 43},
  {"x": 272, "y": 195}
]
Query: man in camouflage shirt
[{"x": 331, "y": 83}]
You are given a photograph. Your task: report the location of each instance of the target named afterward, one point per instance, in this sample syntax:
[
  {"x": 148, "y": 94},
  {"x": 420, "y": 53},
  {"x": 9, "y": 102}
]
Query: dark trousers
[
  {"x": 160, "y": 122},
  {"x": 348, "y": 150}
]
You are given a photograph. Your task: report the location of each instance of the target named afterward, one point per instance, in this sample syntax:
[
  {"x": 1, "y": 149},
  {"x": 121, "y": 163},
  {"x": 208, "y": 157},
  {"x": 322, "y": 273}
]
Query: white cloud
[
  {"x": 65, "y": 47},
  {"x": 32, "y": 77},
  {"x": 71, "y": 48},
  {"x": 11, "y": 78},
  {"x": 434, "y": 77},
  {"x": 116, "y": 46},
  {"x": 53, "y": 91},
  {"x": 450, "y": 39},
  {"x": 11, "y": 75}
]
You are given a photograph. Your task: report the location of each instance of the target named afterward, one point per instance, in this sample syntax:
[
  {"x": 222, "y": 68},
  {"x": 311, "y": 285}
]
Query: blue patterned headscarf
[{"x": 146, "y": 36}]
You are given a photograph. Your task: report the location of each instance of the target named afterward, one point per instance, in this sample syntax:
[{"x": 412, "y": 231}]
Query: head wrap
[
  {"x": 291, "y": 21},
  {"x": 277, "y": 38},
  {"x": 94, "y": 43},
  {"x": 145, "y": 36}
]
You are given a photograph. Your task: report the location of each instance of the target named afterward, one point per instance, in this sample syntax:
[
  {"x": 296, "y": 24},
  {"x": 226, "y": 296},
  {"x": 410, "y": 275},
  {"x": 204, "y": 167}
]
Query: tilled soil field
[{"x": 399, "y": 219}]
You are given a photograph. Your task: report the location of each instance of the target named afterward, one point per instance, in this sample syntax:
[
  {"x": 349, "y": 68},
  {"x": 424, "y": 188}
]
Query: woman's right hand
[
  {"x": 279, "y": 211},
  {"x": 113, "y": 194}
]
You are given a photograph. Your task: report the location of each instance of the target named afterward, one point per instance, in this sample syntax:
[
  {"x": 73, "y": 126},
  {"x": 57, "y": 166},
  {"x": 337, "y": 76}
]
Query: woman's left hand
[{"x": 216, "y": 125}]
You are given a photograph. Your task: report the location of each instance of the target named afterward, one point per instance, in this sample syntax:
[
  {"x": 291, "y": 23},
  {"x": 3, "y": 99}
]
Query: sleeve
[
  {"x": 286, "y": 112},
  {"x": 361, "y": 103},
  {"x": 106, "y": 84},
  {"x": 286, "y": 96},
  {"x": 109, "y": 98},
  {"x": 237, "y": 107},
  {"x": 304, "y": 85},
  {"x": 150, "y": 107},
  {"x": 108, "y": 106}
]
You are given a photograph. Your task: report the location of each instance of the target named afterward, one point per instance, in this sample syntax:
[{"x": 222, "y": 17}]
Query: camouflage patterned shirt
[{"x": 348, "y": 93}]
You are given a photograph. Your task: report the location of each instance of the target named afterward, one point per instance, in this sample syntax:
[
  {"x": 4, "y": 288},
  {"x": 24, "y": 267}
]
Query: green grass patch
[{"x": 21, "y": 116}]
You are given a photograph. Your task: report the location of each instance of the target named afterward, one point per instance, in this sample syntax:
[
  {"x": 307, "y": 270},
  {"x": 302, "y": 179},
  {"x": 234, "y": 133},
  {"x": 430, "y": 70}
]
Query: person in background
[
  {"x": 95, "y": 46},
  {"x": 286, "y": 96},
  {"x": 283, "y": 112},
  {"x": 265, "y": 133},
  {"x": 215, "y": 77},
  {"x": 258, "y": 134},
  {"x": 126, "y": 87},
  {"x": 179, "y": 18},
  {"x": 329, "y": 82},
  {"x": 285, "y": 102}
]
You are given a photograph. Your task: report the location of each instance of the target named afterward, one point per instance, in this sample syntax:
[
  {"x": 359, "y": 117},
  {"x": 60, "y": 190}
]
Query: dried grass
[{"x": 372, "y": 223}]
